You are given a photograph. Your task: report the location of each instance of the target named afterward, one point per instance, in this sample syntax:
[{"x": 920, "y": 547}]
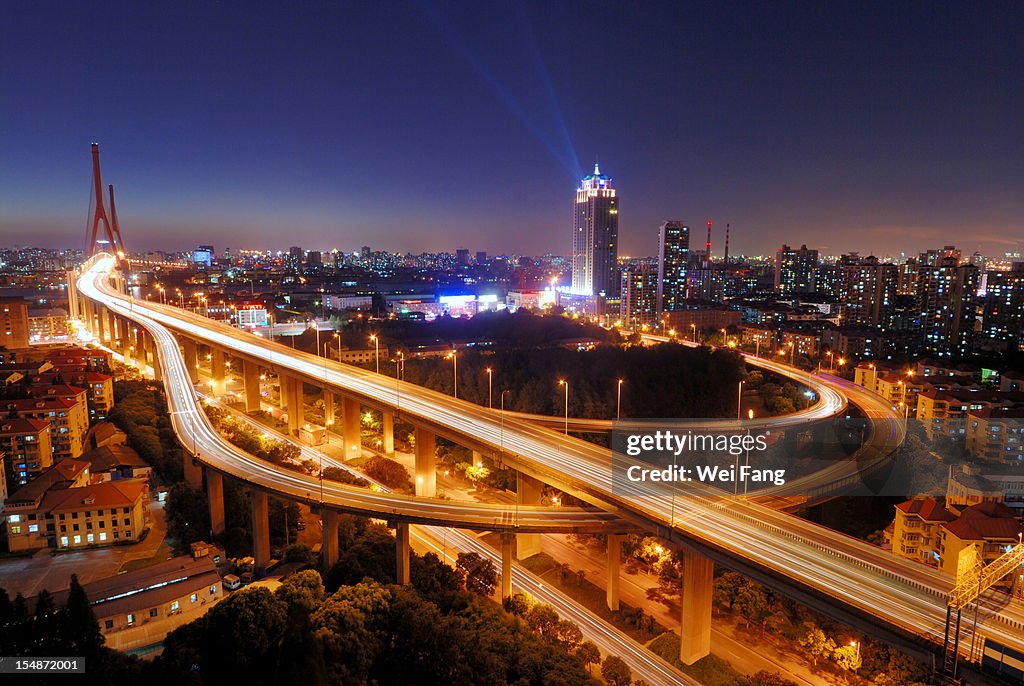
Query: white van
[{"x": 232, "y": 582}]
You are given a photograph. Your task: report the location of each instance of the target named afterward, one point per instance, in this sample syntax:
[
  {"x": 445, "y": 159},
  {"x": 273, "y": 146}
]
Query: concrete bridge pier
[
  {"x": 695, "y": 622},
  {"x": 260, "y": 532},
  {"x": 104, "y": 324},
  {"x": 218, "y": 365},
  {"x": 329, "y": 549},
  {"x": 528, "y": 492},
  {"x": 614, "y": 560},
  {"x": 402, "y": 552},
  {"x": 154, "y": 357},
  {"x": 350, "y": 428},
  {"x": 388, "y": 431},
  {"x": 190, "y": 351},
  {"x": 508, "y": 551},
  {"x": 193, "y": 471},
  {"x": 215, "y": 494},
  {"x": 426, "y": 463},
  {"x": 251, "y": 385},
  {"x": 291, "y": 401},
  {"x": 328, "y": 408}
]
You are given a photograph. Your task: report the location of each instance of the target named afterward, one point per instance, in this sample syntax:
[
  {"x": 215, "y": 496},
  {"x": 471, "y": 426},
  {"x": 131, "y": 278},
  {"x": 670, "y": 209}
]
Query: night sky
[{"x": 420, "y": 125}]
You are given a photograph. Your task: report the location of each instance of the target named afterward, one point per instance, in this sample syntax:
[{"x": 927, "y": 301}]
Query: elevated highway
[{"x": 854, "y": 580}]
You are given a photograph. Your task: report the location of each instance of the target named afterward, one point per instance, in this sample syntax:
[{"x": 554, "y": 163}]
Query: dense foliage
[{"x": 140, "y": 410}]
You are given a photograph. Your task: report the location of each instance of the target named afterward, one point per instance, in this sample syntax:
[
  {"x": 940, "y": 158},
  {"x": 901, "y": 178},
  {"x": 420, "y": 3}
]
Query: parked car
[{"x": 232, "y": 582}]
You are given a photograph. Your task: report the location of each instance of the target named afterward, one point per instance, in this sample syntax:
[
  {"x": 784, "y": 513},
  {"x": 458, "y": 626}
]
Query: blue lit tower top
[{"x": 595, "y": 239}]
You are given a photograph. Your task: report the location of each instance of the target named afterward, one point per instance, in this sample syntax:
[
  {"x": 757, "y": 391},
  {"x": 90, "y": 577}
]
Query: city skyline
[{"x": 788, "y": 131}]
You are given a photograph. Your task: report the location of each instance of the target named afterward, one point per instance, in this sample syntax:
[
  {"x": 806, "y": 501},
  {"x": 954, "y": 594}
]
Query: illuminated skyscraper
[
  {"x": 673, "y": 258},
  {"x": 595, "y": 237},
  {"x": 639, "y": 303},
  {"x": 795, "y": 270}
]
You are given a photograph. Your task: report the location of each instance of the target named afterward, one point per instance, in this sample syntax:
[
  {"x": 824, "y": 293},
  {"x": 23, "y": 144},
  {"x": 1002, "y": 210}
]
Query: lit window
[
  {"x": 77, "y": 539},
  {"x": 194, "y": 597},
  {"x": 174, "y": 606},
  {"x": 64, "y": 541},
  {"x": 103, "y": 535},
  {"x": 15, "y": 519}
]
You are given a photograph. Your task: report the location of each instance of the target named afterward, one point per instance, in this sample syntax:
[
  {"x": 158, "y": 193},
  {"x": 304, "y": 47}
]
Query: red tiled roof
[
  {"x": 927, "y": 509},
  {"x": 986, "y": 520},
  {"x": 101, "y": 495},
  {"x": 22, "y": 425}
]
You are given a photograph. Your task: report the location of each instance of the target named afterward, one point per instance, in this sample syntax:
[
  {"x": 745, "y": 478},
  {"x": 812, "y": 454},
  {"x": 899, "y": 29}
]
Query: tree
[
  {"x": 847, "y": 657},
  {"x": 188, "y": 514},
  {"x": 81, "y": 630},
  {"x": 616, "y": 672},
  {"x": 766, "y": 678},
  {"x": 568, "y": 635},
  {"x": 589, "y": 654},
  {"x": 543, "y": 619},
  {"x": 481, "y": 577},
  {"x": 519, "y": 603},
  {"x": 817, "y": 644}
]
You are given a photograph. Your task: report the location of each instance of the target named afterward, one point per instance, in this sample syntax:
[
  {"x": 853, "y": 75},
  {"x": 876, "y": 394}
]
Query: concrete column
[
  {"x": 87, "y": 316},
  {"x": 260, "y": 531},
  {"x": 388, "y": 429},
  {"x": 528, "y": 492},
  {"x": 329, "y": 549},
  {"x": 251, "y": 384},
  {"x": 292, "y": 405},
  {"x": 217, "y": 367},
  {"x": 155, "y": 357},
  {"x": 508, "y": 551},
  {"x": 402, "y": 552},
  {"x": 614, "y": 559},
  {"x": 695, "y": 623},
  {"x": 193, "y": 471},
  {"x": 190, "y": 351},
  {"x": 215, "y": 494},
  {"x": 477, "y": 459},
  {"x": 117, "y": 334},
  {"x": 328, "y": 407},
  {"x": 130, "y": 344},
  {"x": 104, "y": 325},
  {"x": 350, "y": 428},
  {"x": 426, "y": 463}
]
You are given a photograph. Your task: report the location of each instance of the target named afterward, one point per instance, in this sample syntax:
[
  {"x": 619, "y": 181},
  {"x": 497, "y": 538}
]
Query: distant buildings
[
  {"x": 673, "y": 260},
  {"x": 14, "y": 326},
  {"x": 796, "y": 270},
  {"x": 639, "y": 295},
  {"x": 595, "y": 237},
  {"x": 945, "y": 293}
]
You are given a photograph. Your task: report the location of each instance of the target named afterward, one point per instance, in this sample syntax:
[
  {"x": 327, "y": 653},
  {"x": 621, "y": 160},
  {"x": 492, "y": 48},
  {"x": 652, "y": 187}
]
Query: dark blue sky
[{"x": 425, "y": 126}]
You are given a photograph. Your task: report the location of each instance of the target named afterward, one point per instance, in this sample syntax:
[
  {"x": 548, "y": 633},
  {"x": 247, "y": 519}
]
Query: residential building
[
  {"x": 970, "y": 484},
  {"x": 867, "y": 291},
  {"x": 48, "y": 324},
  {"x": 27, "y": 450},
  {"x": 66, "y": 417},
  {"x": 915, "y": 533},
  {"x": 996, "y": 434},
  {"x": 796, "y": 270},
  {"x": 77, "y": 516},
  {"x": 14, "y": 327},
  {"x": 946, "y": 294},
  {"x": 639, "y": 303},
  {"x": 673, "y": 259},
  {"x": 991, "y": 527}
]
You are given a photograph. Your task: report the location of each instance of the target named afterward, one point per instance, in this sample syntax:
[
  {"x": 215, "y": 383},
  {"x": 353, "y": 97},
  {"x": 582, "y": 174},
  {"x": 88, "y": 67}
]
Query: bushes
[
  {"x": 141, "y": 412},
  {"x": 387, "y": 472}
]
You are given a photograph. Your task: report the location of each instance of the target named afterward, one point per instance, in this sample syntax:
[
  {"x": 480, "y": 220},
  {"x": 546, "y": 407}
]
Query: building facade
[
  {"x": 595, "y": 237},
  {"x": 673, "y": 260}
]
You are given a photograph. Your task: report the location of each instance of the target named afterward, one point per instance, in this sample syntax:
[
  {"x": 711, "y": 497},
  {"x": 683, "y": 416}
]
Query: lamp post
[
  {"x": 490, "y": 379},
  {"x": 563, "y": 382},
  {"x": 376, "y": 351},
  {"x": 501, "y": 434},
  {"x": 693, "y": 332},
  {"x": 739, "y": 400},
  {"x": 455, "y": 373},
  {"x": 618, "y": 399}
]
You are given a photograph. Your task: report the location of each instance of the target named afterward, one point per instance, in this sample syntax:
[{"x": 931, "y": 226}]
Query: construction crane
[{"x": 973, "y": 578}]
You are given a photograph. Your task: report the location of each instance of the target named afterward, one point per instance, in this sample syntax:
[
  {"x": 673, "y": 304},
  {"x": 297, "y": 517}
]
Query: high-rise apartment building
[
  {"x": 795, "y": 270},
  {"x": 595, "y": 237},
  {"x": 1002, "y": 320},
  {"x": 673, "y": 259},
  {"x": 946, "y": 293},
  {"x": 639, "y": 300},
  {"x": 867, "y": 291}
]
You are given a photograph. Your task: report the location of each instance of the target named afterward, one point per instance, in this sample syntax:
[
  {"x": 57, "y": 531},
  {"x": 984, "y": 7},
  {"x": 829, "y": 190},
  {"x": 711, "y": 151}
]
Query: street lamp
[
  {"x": 501, "y": 435},
  {"x": 693, "y": 332},
  {"x": 490, "y": 379},
  {"x": 618, "y": 399},
  {"x": 563, "y": 382},
  {"x": 376, "y": 351},
  {"x": 455, "y": 373},
  {"x": 739, "y": 400}
]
